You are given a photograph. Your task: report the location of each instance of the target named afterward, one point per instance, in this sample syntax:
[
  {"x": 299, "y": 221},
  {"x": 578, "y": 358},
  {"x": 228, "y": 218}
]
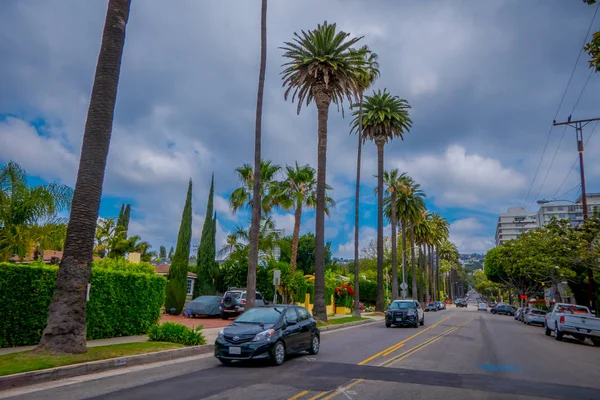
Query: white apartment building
[
  {"x": 513, "y": 223},
  {"x": 567, "y": 210}
]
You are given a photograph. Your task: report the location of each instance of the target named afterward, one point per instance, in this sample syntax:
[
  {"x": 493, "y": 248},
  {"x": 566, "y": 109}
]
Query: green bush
[
  {"x": 176, "y": 333},
  {"x": 122, "y": 264},
  {"x": 367, "y": 290},
  {"x": 121, "y": 303}
]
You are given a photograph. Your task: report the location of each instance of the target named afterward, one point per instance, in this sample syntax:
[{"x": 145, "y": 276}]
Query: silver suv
[{"x": 233, "y": 302}]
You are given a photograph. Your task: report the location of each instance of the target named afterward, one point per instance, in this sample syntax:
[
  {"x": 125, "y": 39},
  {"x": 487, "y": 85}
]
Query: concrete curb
[
  {"x": 69, "y": 371},
  {"x": 348, "y": 324}
]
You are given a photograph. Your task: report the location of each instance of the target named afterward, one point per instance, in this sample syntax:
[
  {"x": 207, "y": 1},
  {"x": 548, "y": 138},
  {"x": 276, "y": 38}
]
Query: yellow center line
[
  {"x": 393, "y": 348},
  {"x": 319, "y": 395},
  {"x": 298, "y": 395},
  {"x": 422, "y": 345},
  {"x": 343, "y": 389}
]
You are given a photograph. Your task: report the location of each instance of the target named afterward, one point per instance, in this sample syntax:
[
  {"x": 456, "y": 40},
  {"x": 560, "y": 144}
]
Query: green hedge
[{"x": 122, "y": 303}]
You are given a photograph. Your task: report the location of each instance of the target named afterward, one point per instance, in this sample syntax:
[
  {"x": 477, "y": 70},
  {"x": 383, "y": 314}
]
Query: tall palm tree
[
  {"x": 244, "y": 195},
  {"x": 385, "y": 118},
  {"x": 409, "y": 207},
  {"x": 365, "y": 79},
  {"x": 396, "y": 185},
  {"x": 441, "y": 230},
  {"x": 65, "y": 329},
  {"x": 299, "y": 190},
  {"x": 423, "y": 236},
  {"x": 321, "y": 66},
  {"x": 256, "y": 200}
]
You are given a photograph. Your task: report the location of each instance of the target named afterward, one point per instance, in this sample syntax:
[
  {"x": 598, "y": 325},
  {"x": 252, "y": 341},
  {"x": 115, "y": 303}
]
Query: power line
[
  {"x": 582, "y": 90},
  {"x": 575, "y": 162},
  {"x": 551, "y": 162},
  {"x": 560, "y": 105},
  {"x": 563, "y": 195}
]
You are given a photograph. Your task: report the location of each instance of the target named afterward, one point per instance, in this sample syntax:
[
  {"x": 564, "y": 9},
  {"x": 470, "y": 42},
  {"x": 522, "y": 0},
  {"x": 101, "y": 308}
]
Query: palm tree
[
  {"x": 244, "y": 195},
  {"x": 413, "y": 210},
  {"x": 322, "y": 66},
  {"x": 256, "y": 198},
  {"x": 447, "y": 251},
  {"x": 441, "y": 231},
  {"x": 396, "y": 184},
  {"x": 365, "y": 80},
  {"x": 25, "y": 209},
  {"x": 385, "y": 118},
  {"x": 423, "y": 234},
  {"x": 65, "y": 330},
  {"x": 299, "y": 190}
]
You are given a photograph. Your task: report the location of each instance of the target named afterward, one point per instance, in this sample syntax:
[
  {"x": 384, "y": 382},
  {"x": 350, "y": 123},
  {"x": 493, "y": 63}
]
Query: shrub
[
  {"x": 176, "y": 333},
  {"x": 121, "y": 303},
  {"x": 122, "y": 264}
]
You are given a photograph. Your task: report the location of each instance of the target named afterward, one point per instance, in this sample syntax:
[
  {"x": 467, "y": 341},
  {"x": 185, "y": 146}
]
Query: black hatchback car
[{"x": 269, "y": 332}]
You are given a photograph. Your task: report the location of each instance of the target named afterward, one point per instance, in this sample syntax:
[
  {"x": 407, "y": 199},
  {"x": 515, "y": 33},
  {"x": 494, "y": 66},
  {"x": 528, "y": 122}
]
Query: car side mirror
[{"x": 290, "y": 323}]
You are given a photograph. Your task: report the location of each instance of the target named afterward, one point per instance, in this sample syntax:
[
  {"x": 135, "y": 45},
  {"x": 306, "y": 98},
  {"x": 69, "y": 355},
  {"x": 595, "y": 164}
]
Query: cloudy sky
[{"x": 484, "y": 79}]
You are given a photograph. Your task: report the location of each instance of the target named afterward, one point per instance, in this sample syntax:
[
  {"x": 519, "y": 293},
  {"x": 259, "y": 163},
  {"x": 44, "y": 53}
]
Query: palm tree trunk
[
  {"x": 437, "y": 272},
  {"x": 356, "y": 310},
  {"x": 323, "y": 99},
  {"x": 427, "y": 273},
  {"x": 422, "y": 276},
  {"x": 65, "y": 331},
  {"x": 415, "y": 294},
  {"x": 379, "y": 304},
  {"x": 296, "y": 237},
  {"x": 256, "y": 197},
  {"x": 403, "y": 251},
  {"x": 431, "y": 265},
  {"x": 394, "y": 249}
]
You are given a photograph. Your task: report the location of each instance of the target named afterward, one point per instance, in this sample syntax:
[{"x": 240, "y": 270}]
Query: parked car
[
  {"x": 503, "y": 309},
  {"x": 518, "y": 313},
  {"x": 524, "y": 312},
  {"x": 204, "y": 306},
  {"x": 431, "y": 307},
  {"x": 440, "y": 305},
  {"x": 233, "y": 302},
  {"x": 535, "y": 316},
  {"x": 404, "y": 313},
  {"x": 482, "y": 307},
  {"x": 268, "y": 332},
  {"x": 573, "y": 320}
]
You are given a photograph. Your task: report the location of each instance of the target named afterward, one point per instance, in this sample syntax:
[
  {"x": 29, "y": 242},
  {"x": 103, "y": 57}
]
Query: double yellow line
[{"x": 387, "y": 363}]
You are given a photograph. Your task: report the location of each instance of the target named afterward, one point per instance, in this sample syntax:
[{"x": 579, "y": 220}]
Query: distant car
[
  {"x": 405, "y": 313},
  {"x": 518, "y": 313},
  {"x": 204, "y": 306},
  {"x": 431, "y": 307},
  {"x": 535, "y": 317},
  {"x": 504, "y": 309},
  {"x": 482, "y": 307},
  {"x": 268, "y": 332},
  {"x": 233, "y": 302},
  {"x": 440, "y": 305},
  {"x": 460, "y": 303}
]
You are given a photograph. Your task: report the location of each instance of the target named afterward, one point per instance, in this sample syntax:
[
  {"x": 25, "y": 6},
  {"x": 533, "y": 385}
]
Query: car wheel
[
  {"x": 557, "y": 334},
  {"x": 422, "y": 321},
  {"x": 388, "y": 325},
  {"x": 225, "y": 361},
  {"x": 314, "y": 346},
  {"x": 596, "y": 342},
  {"x": 224, "y": 316},
  {"x": 416, "y": 324},
  {"x": 278, "y": 353}
]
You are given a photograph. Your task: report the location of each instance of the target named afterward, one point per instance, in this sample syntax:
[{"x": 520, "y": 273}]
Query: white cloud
[
  {"x": 470, "y": 236},
  {"x": 460, "y": 179}
]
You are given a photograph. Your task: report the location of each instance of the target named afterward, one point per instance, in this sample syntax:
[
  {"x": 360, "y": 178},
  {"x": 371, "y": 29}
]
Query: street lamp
[{"x": 544, "y": 201}]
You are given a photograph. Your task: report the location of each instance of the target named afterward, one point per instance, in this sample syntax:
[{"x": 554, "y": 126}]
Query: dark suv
[
  {"x": 233, "y": 302},
  {"x": 503, "y": 309}
]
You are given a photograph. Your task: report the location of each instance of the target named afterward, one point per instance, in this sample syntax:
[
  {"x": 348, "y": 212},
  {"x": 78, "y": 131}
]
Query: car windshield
[
  {"x": 482, "y": 305},
  {"x": 234, "y": 294},
  {"x": 402, "y": 304},
  {"x": 540, "y": 312},
  {"x": 268, "y": 315}
]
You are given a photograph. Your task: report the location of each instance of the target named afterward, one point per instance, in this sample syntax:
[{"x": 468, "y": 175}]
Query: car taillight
[
  {"x": 221, "y": 301},
  {"x": 243, "y": 301},
  {"x": 562, "y": 319},
  {"x": 531, "y": 314}
]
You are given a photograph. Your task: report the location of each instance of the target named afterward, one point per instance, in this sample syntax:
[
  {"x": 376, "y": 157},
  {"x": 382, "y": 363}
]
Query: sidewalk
[{"x": 209, "y": 334}]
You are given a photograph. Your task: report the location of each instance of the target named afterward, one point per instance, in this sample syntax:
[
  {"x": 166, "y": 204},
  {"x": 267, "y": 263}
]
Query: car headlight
[
  {"x": 221, "y": 334},
  {"x": 264, "y": 336},
  {"x": 411, "y": 312}
]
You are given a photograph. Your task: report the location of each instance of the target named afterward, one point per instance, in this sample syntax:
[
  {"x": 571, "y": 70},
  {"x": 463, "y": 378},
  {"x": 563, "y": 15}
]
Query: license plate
[
  {"x": 398, "y": 319},
  {"x": 235, "y": 350}
]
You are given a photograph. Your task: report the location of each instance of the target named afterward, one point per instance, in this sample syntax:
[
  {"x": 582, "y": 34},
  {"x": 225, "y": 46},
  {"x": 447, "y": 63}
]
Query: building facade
[
  {"x": 567, "y": 210},
  {"x": 513, "y": 223}
]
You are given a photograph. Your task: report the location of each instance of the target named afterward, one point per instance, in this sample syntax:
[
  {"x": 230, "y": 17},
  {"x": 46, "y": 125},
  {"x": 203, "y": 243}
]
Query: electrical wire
[{"x": 560, "y": 105}]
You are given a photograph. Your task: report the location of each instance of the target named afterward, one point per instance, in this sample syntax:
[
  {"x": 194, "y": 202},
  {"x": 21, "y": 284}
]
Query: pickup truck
[{"x": 573, "y": 320}]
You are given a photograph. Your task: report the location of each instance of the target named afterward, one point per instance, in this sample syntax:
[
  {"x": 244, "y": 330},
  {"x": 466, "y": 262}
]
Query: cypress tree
[
  {"x": 125, "y": 222},
  {"x": 162, "y": 253},
  {"x": 206, "y": 249},
  {"x": 177, "y": 279},
  {"x": 171, "y": 251},
  {"x": 120, "y": 218}
]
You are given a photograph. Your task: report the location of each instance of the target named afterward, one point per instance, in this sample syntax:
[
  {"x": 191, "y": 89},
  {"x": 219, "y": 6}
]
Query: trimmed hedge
[{"x": 121, "y": 303}]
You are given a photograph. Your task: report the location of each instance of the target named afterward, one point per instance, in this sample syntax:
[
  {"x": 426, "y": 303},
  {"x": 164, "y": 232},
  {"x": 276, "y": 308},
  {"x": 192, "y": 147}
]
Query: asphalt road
[{"x": 458, "y": 354}]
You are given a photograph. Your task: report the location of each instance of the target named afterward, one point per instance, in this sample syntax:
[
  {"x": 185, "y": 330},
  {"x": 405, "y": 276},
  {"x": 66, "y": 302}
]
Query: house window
[
  {"x": 562, "y": 216},
  {"x": 190, "y": 287}
]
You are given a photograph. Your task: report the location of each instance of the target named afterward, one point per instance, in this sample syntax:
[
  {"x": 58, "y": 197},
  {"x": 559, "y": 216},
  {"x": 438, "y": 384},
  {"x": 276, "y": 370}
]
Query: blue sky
[{"x": 484, "y": 81}]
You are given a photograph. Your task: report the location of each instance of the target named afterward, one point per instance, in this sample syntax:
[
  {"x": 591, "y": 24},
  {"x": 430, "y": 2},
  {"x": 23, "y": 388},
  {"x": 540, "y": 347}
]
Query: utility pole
[{"x": 578, "y": 125}]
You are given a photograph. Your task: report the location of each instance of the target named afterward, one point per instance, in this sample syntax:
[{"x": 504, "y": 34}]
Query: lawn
[
  {"x": 28, "y": 361},
  {"x": 344, "y": 320}
]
